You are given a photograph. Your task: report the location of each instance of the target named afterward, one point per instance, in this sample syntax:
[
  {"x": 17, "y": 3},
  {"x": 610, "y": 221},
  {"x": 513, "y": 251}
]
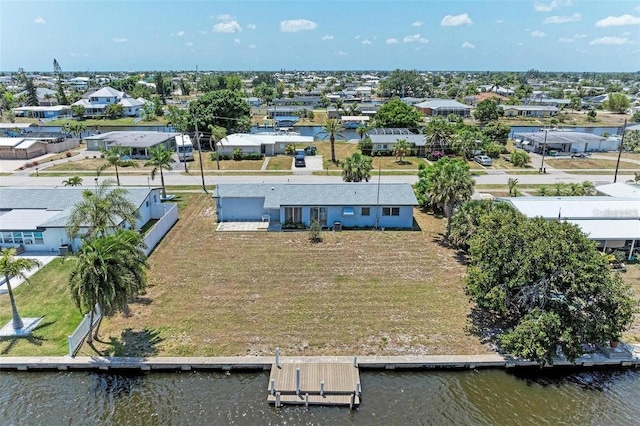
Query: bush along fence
[{"x": 82, "y": 331}]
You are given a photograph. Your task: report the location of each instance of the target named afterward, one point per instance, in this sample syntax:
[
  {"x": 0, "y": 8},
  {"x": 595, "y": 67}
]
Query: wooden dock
[{"x": 318, "y": 383}]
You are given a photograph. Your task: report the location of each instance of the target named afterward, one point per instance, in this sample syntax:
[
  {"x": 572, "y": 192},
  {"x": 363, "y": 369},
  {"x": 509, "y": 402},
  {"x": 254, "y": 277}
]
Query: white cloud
[
  {"x": 538, "y": 34},
  {"x": 618, "y": 21},
  {"x": 625, "y": 34},
  {"x": 467, "y": 45},
  {"x": 457, "y": 20},
  {"x": 548, "y": 7},
  {"x": 225, "y": 17},
  {"x": 366, "y": 41},
  {"x": 189, "y": 44},
  {"x": 566, "y": 40},
  {"x": 180, "y": 33},
  {"x": 414, "y": 39},
  {"x": 203, "y": 32},
  {"x": 252, "y": 46},
  {"x": 251, "y": 26},
  {"x": 392, "y": 41},
  {"x": 120, "y": 40},
  {"x": 39, "y": 20},
  {"x": 499, "y": 21},
  {"x": 562, "y": 19},
  {"x": 236, "y": 41},
  {"x": 577, "y": 36},
  {"x": 341, "y": 53},
  {"x": 609, "y": 41},
  {"x": 357, "y": 37},
  {"x": 326, "y": 37},
  {"x": 227, "y": 27},
  {"x": 417, "y": 24},
  {"x": 295, "y": 25}
]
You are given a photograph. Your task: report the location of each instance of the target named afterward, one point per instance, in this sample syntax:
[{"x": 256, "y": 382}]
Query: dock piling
[
  {"x": 358, "y": 389},
  {"x": 278, "y": 403},
  {"x": 297, "y": 381},
  {"x": 278, "y": 357},
  {"x": 272, "y": 387},
  {"x": 355, "y": 361},
  {"x": 322, "y": 388}
]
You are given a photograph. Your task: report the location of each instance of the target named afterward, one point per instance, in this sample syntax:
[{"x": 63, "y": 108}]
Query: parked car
[
  {"x": 299, "y": 161},
  {"x": 483, "y": 160},
  {"x": 580, "y": 155}
]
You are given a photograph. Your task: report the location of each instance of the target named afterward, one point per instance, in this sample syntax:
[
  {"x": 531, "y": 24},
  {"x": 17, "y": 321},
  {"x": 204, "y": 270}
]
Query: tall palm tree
[
  {"x": 73, "y": 181},
  {"x": 109, "y": 271},
  {"x": 401, "y": 148},
  {"x": 438, "y": 134},
  {"x": 512, "y": 184},
  {"x": 217, "y": 134},
  {"x": 116, "y": 156},
  {"x": 77, "y": 128},
  {"x": 160, "y": 158},
  {"x": 100, "y": 209},
  {"x": 464, "y": 143},
  {"x": 356, "y": 168},
  {"x": 12, "y": 266},
  {"x": 361, "y": 131},
  {"x": 331, "y": 127}
]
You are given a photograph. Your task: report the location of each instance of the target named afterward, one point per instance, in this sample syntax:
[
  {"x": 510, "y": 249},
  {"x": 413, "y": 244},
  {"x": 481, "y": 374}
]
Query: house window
[
  {"x": 38, "y": 237},
  {"x": 319, "y": 214},
  {"x": 366, "y": 211},
  {"x": 17, "y": 238},
  {"x": 292, "y": 214},
  {"x": 7, "y": 237},
  {"x": 385, "y": 147},
  {"x": 391, "y": 211}
]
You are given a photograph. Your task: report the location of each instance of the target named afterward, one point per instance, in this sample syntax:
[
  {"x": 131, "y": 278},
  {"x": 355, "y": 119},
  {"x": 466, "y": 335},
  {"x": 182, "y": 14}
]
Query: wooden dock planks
[{"x": 340, "y": 381}]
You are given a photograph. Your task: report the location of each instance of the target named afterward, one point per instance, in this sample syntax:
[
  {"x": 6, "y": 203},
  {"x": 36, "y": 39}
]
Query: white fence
[
  {"x": 78, "y": 336},
  {"x": 159, "y": 230}
]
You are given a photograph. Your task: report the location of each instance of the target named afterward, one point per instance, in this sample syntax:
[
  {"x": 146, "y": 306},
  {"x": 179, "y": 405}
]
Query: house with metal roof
[
  {"x": 35, "y": 218},
  {"x": 529, "y": 110},
  {"x": 443, "y": 107},
  {"x": 20, "y": 148},
  {"x": 266, "y": 143},
  {"x": 138, "y": 142},
  {"x": 564, "y": 141},
  {"x": 339, "y": 205}
]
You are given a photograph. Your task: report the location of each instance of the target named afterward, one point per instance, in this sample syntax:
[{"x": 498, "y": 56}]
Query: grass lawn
[
  {"x": 589, "y": 163},
  {"x": 209, "y": 164},
  {"x": 280, "y": 163},
  {"x": 624, "y": 156},
  {"x": 358, "y": 292},
  {"x": 410, "y": 163},
  {"x": 92, "y": 164},
  {"x": 632, "y": 276},
  {"x": 47, "y": 296},
  {"x": 343, "y": 150}
]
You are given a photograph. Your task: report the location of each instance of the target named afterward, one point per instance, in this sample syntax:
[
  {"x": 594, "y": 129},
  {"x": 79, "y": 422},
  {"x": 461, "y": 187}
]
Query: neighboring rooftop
[
  {"x": 558, "y": 137},
  {"x": 620, "y": 189},
  {"x": 134, "y": 139},
  {"x": 577, "y": 207}
]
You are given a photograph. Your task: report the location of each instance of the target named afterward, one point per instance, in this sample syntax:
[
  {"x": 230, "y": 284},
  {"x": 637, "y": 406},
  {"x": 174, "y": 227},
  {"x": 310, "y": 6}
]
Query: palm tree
[
  {"x": 356, "y": 168},
  {"x": 438, "y": 134},
  {"x": 217, "y": 134},
  {"x": 464, "y": 143},
  {"x": 543, "y": 191},
  {"x": 512, "y": 183},
  {"x": 361, "y": 131},
  {"x": 558, "y": 189},
  {"x": 73, "y": 181},
  {"x": 116, "y": 156},
  {"x": 77, "y": 128},
  {"x": 12, "y": 266},
  {"x": 588, "y": 187},
  {"x": 160, "y": 158},
  {"x": 400, "y": 149},
  {"x": 109, "y": 271},
  {"x": 331, "y": 127},
  {"x": 101, "y": 209}
]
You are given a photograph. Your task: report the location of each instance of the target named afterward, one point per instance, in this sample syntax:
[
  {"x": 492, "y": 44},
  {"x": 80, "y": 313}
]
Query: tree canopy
[
  {"x": 617, "y": 102},
  {"x": 12, "y": 266},
  {"x": 543, "y": 284},
  {"x": 224, "y": 108},
  {"x": 396, "y": 113},
  {"x": 487, "y": 110},
  {"x": 403, "y": 83},
  {"x": 356, "y": 168}
]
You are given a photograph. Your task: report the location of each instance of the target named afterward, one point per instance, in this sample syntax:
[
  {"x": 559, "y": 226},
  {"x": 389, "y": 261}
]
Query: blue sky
[{"x": 550, "y": 35}]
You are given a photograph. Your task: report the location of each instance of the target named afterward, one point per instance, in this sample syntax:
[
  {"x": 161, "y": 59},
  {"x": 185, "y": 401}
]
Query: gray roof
[
  {"x": 326, "y": 194},
  {"x": 586, "y": 208},
  {"x": 555, "y": 137},
  {"x": 61, "y": 200},
  {"x": 442, "y": 103},
  {"x": 134, "y": 139},
  {"x": 418, "y": 140}
]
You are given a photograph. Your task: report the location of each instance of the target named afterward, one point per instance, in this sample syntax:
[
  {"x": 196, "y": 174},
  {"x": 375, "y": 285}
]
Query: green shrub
[
  {"x": 493, "y": 149},
  {"x": 237, "y": 154},
  {"x": 519, "y": 158},
  {"x": 253, "y": 156}
]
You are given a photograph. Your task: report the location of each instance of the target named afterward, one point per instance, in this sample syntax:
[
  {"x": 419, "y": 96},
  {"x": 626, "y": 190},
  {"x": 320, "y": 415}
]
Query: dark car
[{"x": 299, "y": 161}]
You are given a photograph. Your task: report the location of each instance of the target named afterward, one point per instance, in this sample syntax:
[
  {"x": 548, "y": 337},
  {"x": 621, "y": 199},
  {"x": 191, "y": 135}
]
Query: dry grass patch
[
  {"x": 391, "y": 163},
  {"x": 210, "y": 164},
  {"x": 632, "y": 276},
  {"x": 92, "y": 164},
  {"x": 589, "y": 163},
  {"x": 358, "y": 292},
  {"x": 280, "y": 163},
  {"x": 343, "y": 150}
]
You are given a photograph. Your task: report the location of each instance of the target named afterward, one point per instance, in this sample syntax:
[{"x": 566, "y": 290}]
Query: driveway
[{"x": 313, "y": 163}]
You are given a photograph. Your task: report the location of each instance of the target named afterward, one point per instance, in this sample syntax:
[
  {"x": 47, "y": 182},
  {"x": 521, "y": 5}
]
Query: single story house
[
  {"x": 529, "y": 110},
  {"x": 43, "y": 112},
  {"x": 36, "y": 218},
  {"x": 619, "y": 189},
  {"x": 21, "y": 148},
  {"x": 614, "y": 222},
  {"x": 570, "y": 142},
  {"x": 443, "y": 107},
  {"x": 309, "y": 102},
  {"x": 266, "y": 143},
  {"x": 139, "y": 142},
  {"x": 334, "y": 205},
  {"x": 386, "y": 142}
]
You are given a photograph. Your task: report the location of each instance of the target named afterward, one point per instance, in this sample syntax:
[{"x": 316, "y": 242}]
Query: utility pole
[
  {"x": 544, "y": 149},
  {"x": 195, "y": 117},
  {"x": 624, "y": 129}
]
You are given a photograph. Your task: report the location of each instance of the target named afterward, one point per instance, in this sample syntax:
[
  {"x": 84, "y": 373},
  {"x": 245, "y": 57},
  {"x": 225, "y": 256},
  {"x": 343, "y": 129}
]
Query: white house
[
  {"x": 97, "y": 102},
  {"x": 261, "y": 143},
  {"x": 36, "y": 218},
  {"x": 570, "y": 142},
  {"x": 139, "y": 142}
]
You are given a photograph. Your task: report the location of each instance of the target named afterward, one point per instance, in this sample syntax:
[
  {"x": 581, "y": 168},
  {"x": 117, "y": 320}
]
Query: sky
[{"x": 438, "y": 35}]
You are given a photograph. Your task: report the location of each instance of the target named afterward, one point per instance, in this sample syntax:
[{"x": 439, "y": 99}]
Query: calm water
[{"x": 488, "y": 397}]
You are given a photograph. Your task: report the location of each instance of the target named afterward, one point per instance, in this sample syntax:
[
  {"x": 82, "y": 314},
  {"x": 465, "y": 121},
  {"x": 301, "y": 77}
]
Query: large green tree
[
  {"x": 101, "y": 209},
  {"x": 12, "y": 266},
  {"x": 160, "y": 158},
  {"x": 356, "y": 168},
  {"x": 487, "y": 110},
  {"x": 403, "y": 83},
  {"x": 224, "y": 108},
  {"x": 618, "y": 103},
  {"x": 542, "y": 284},
  {"x": 109, "y": 271},
  {"x": 497, "y": 132},
  {"x": 116, "y": 156},
  {"x": 466, "y": 220},
  {"x": 396, "y": 113},
  {"x": 444, "y": 185}
]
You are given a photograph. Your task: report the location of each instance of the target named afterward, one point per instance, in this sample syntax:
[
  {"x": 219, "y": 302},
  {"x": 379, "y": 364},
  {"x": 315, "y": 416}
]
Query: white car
[{"x": 483, "y": 160}]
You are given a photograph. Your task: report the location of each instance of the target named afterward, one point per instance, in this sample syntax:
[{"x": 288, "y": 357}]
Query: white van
[{"x": 184, "y": 148}]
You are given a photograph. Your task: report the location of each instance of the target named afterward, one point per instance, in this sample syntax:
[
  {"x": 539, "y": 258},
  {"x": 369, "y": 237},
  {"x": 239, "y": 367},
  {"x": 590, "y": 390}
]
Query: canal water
[{"x": 487, "y": 397}]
